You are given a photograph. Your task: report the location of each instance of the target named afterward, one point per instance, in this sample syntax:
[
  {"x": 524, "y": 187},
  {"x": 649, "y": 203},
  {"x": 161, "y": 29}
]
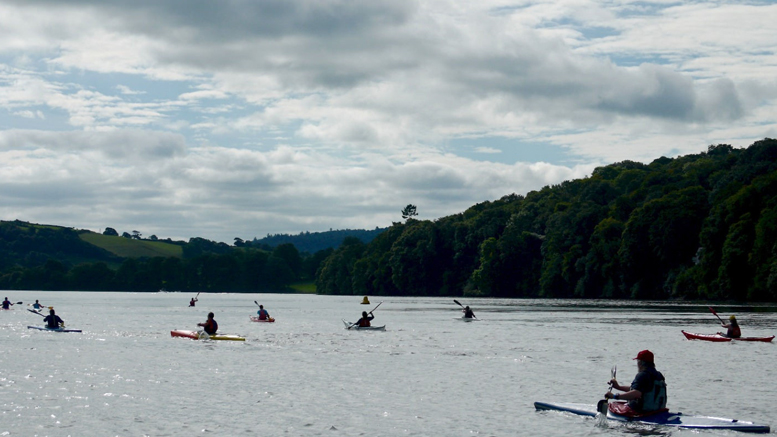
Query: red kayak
[
  {"x": 721, "y": 338},
  {"x": 257, "y": 319}
]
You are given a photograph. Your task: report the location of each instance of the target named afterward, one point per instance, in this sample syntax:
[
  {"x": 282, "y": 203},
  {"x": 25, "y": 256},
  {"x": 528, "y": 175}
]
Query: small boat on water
[
  {"x": 267, "y": 320},
  {"x": 664, "y": 418},
  {"x": 466, "y": 319},
  {"x": 350, "y": 326},
  {"x": 719, "y": 337},
  {"x": 198, "y": 335},
  {"x": 43, "y": 328}
]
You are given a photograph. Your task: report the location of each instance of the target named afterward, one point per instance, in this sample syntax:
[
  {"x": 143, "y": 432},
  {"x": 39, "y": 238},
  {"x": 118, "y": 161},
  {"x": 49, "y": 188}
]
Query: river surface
[{"x": 305, "y": 375}]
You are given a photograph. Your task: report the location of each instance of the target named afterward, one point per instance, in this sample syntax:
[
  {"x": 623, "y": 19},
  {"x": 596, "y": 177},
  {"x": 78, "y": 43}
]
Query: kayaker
[
  {"x": 468, "y": 314},
  {"x": 648, "y": 390},
  {"x": 733, "y": 328},
  {"x": 193, "y": 301},
  {"x": 364, "y": 322},
  {"x": 53, "y": 321},
  {"x": 37, "y": 305},
  {"x": 210, "y": 326},
  {"x": 263, "y": 314},
  {"x": 7, "y": 304}
]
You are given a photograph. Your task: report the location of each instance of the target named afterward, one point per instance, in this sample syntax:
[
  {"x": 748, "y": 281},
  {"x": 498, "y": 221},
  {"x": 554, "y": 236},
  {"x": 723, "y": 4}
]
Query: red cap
[{"x": 645, "y": 355}]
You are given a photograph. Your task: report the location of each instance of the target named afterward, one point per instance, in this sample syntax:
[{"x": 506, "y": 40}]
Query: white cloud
[{"x": 289, "y": 115}]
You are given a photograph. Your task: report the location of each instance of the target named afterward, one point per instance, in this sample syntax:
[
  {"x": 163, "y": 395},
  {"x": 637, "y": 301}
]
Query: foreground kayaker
[
  {"x": 364, "y": 322},
  {"x": 263, "y": 314},
  {"x": 210, "y": 326},
  {"x": 53, "y": 321},
  {"x": 468, "y": 314},
  {"x": 732, "y": 327},
  {"x": 7, "y": 304},
  {"x": 647, "y": 392}
]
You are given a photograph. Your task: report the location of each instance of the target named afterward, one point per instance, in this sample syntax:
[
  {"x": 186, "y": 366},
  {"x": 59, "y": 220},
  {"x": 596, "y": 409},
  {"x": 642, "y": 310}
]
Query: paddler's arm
[
  {"x": 626, "y": 396},
  {"x": 615, "y": 385}
]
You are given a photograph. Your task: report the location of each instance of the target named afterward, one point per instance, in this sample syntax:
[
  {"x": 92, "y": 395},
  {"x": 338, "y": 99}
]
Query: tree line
[
  {"x": 221, "y": 270},
  {"x": 701, "y": 226}
]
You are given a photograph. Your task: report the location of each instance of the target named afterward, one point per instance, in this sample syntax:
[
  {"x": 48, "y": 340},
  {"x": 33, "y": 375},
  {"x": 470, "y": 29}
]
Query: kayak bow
[{"x": 678, "y": 420}]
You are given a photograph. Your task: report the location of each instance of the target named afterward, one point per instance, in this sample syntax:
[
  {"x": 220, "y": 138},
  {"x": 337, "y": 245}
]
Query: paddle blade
[
  {"x": 458, "y": 303},
  {"x": 713, "y": 311},
  {"x": 602, "y": 406}
]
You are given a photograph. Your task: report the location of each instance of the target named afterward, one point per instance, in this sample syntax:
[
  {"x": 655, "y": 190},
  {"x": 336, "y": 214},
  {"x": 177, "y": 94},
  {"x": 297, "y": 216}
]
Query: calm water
[{"x": 427, "y": 375}]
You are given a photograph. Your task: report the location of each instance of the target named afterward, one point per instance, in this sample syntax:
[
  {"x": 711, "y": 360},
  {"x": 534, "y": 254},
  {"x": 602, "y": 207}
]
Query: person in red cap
[{"x": 647, "y": 392}]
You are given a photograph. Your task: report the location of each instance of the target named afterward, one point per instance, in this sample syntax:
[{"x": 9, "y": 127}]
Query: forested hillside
[
  {"x": 701, "y": 226},
  {"x": 45, "y": 257}
]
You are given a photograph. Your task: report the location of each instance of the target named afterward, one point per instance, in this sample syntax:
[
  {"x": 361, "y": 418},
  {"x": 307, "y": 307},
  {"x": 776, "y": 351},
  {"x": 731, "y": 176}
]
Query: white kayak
[
  {"x": 466, "y": 319},
  {"x": 678, "y": 420},
  {"x": 350, "y": 326}
]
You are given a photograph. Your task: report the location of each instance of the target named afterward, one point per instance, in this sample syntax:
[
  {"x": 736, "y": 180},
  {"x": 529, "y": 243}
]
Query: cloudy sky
[{"x": 239, "y": 118}]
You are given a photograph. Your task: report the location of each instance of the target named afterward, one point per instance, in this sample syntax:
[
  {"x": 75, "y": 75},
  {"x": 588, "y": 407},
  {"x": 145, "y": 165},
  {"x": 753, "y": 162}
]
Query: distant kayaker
[
  {"x": 210, "y": 326},
  {"x": 648, "y": 390},
  {"x": 263, "y": 314},
  {"x": 364, "y": 322},
  {"x": 7, "y": 304},
  {"x": 53, "y": 321},
  {"x": 37, "y": 305},
  {"x": 193, "y": 301},
  {"x": 468, "y": 314},
  {"x": 733, "y": 328}
]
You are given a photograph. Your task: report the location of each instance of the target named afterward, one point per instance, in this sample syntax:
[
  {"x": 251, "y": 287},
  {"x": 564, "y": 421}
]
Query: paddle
[
  {"x": 19, "y": 303},
  {"x": 459, "y": 304},
  {"x": 370, "y": 312},
  {"x": 716, "y": 315},
  {"x": 603, "y": 404}
]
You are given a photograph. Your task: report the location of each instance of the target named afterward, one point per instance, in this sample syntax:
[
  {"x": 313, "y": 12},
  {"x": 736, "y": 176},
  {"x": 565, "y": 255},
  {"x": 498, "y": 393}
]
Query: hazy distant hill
[{"x": 312, "y": 242}]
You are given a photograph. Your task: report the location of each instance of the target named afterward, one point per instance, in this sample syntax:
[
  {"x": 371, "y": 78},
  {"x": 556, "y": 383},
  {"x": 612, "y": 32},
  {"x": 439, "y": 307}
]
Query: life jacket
[
  {"x": 364, "y": 322},
  {"x": 655, "y": 399},
  {"x": 734, "y": 331},
  {"x": 211, "y": 327},
  {"x": 262, "y": 314}
]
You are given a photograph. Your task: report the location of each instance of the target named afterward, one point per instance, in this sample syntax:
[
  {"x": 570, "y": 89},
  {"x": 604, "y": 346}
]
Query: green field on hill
[{"x": 129, "y": 248}]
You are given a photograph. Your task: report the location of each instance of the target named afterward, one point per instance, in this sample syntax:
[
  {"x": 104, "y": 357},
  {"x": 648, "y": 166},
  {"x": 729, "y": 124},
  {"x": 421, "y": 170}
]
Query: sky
[{"x": 238, "y": 119}]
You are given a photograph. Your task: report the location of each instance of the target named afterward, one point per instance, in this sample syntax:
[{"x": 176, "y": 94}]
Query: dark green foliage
[
  {"x": 700, "y": 226},
  {"x": 62, "y": 261}
]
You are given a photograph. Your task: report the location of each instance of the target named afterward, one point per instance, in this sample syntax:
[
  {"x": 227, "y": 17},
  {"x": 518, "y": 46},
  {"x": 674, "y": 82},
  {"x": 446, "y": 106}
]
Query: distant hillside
[
  {"x": 132, "y": 248},
  {"x": 30, "y": 245},
  {"x": 313, "y": 242}
]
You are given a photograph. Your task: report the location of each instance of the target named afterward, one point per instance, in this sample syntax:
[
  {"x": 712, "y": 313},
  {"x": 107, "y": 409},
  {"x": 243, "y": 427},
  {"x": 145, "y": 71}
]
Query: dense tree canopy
[{"x": 697, "y": 226}]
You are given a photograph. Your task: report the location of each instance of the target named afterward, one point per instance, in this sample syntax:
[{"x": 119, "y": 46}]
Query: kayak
[
  {"x": 466, "y": 319},
  {"x": 719, "y": 337},
  {"x": 257, "y": 319},
  {"x": 678, "y": 420},
  {"x": 43, "y": 328},
  {"x": 349, "y": 326},
  {"x": 196, "y": 335}
]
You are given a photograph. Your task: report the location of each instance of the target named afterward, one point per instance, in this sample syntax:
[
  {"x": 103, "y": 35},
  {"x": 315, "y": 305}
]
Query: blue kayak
[
  {"x": 43, "y": 328},
  {"x": 678, "y": 420}
]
